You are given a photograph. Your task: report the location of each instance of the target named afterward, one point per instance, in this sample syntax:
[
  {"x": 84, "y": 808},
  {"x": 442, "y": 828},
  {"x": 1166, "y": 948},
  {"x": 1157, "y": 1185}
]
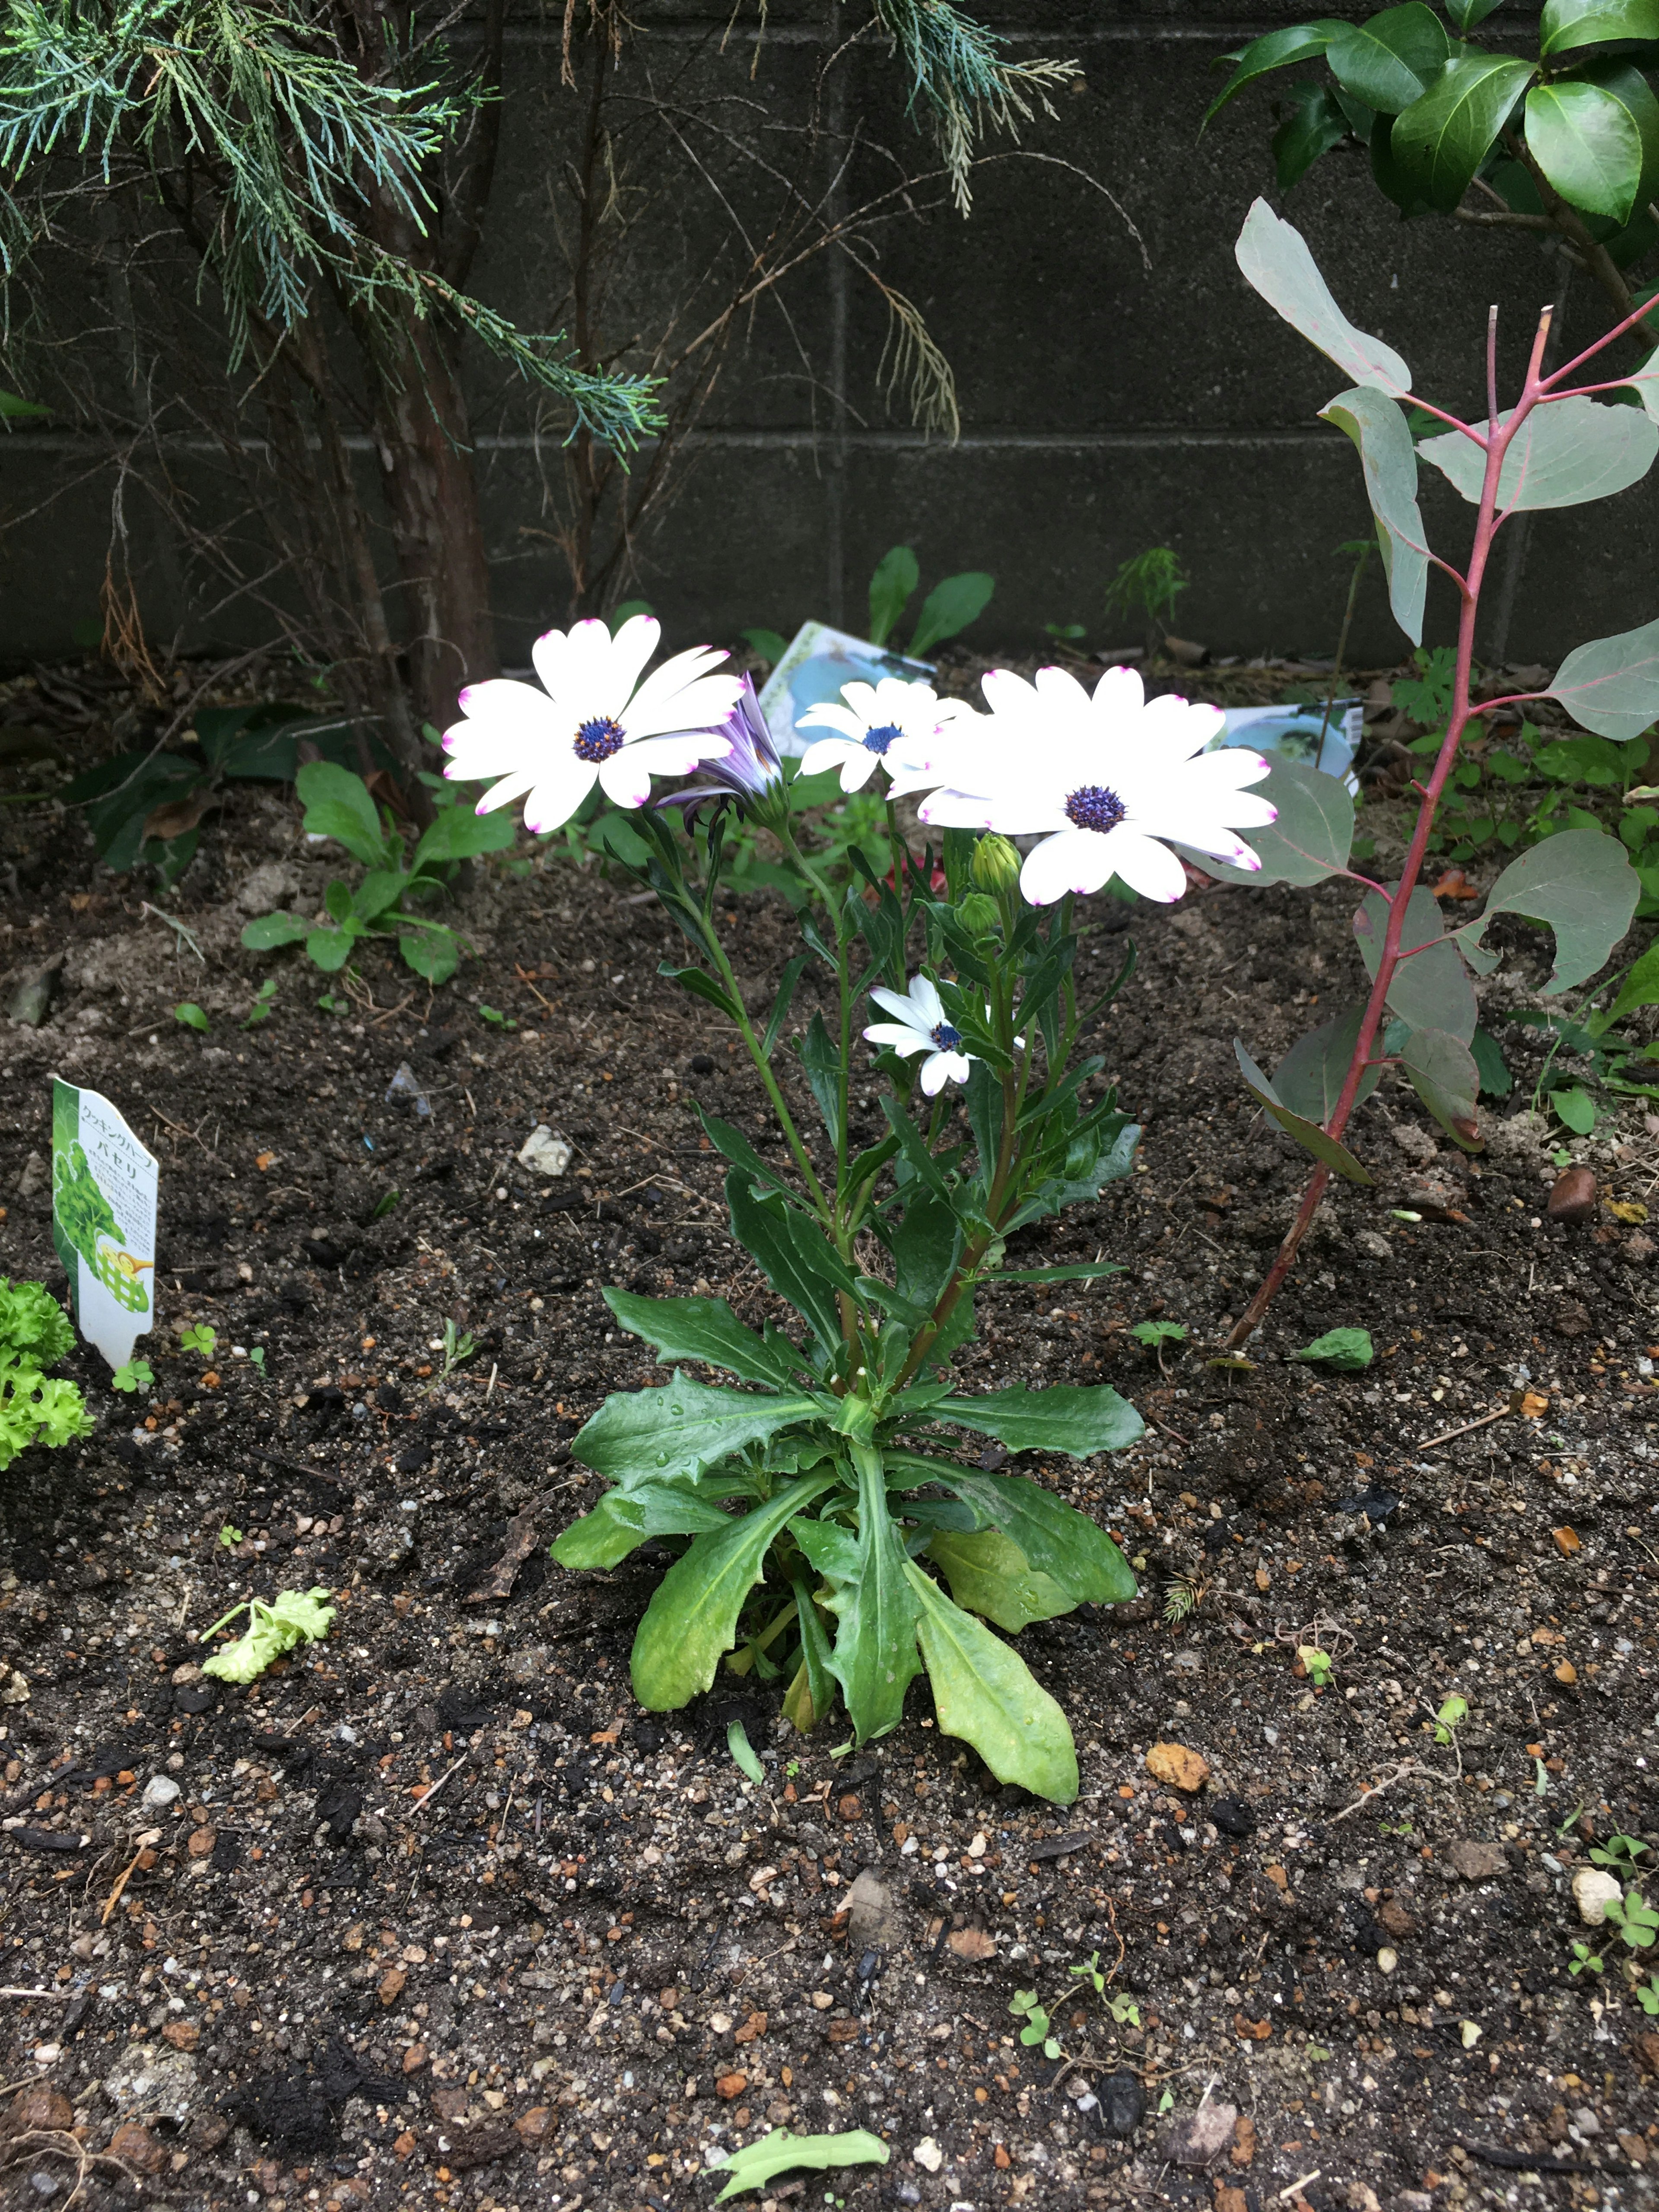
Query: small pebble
[
  {"x": 1572, "y": 1197},
  {"x": 159, "y": 1790}
]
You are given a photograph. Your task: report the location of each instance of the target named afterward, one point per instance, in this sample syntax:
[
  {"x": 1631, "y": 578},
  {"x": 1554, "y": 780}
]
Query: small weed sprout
[
  {"x": 1023, "y": 2005},
  {"x": 133, "y": 1374},
  {"x": 196, "y": 1336},
  {"x": 458, "y": 1347},
  {"x": 1454, "y": 1711},
  {"x": 1619, "y": 1852},
  {"x": 189, "y": 1015},
  {"x": 1648, "y": 1994},
  {"x": 1184, "y": 1597},
  {"x": 230, "y": 1535},
  {"x": 1155, "y": 1334},
  {"x": 1584, "y": 1961},
  {"x": 258, "y": 1356},
  {"x": 1318, "y": 1665},
  {"x": 263, "y": 999},
  {"x": 1148, "y": 585}
]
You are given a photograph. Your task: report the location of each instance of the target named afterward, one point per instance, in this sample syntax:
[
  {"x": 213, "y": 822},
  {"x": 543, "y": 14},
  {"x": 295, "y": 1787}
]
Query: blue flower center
[
  {"x": 877, "y": 740},
  {"x": 1094, "y": 807},
  {"x": 597, "y": 739},
  {"x": 946, "y": 1039}
]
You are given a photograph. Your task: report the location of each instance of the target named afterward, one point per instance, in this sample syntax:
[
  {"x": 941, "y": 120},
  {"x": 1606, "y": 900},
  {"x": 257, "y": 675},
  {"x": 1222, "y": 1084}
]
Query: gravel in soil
[{"x": 433, "y": 1912}]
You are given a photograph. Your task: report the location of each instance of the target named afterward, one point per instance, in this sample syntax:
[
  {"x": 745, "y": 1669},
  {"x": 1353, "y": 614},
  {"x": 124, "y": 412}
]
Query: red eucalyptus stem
[{"x": 1488, "y": 521}]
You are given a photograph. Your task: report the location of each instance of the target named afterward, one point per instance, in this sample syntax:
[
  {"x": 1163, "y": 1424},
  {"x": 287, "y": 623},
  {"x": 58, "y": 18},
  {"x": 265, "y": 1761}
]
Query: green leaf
[
  {"x": 1276, "y": 260},
  {"x": 1078, "y": 1421},
  {"x": 821, "y": 1064},
  {"x": 1310, "y": 1077},
  {"x": 1466, "y": 14},
  {"x": 1440, "y": 141},
  {"x": 191, "y": 1015},
  {"x": 1576, "y": 1107},
  {"x": 1568, "y": 24},
  {"x": 777, "y": 2151},
  {"x": 1311, "y": 838},
  {"x": 984, "y": 1694},
  {"x": 733, "y": 1145},
  {"x": 1309, "y": 1134},
  {"x": 819, "y": 1684},
  {"x": 926, "y": 1249},
  {"x": 1388, "y": 459},
  {"x": 1391, "y": 59},
  {"x": 1564, "y": 454},
  {"x": 950, "y": 607},
  {"x": 624, "y": 1519},
  {"x": 339, "y": 804},
  {"x": 1316, "y": 123},
  {"x": 762, "y": 1226},
  {"x": 1090, "y": 1274},
  {"x": 895, "y": 578},
  {"x": 1587, "y": 145},
  {"x": 433, "y": 955},
  {"x": 875, "y": 1656},
  {"x": 770, "y": 644},
  {"x": 1639, "y": 988},
  {"x": 743, "y": 1753},
  {"x": 1442, "y": 1071},
  {"x": 271, "y": 930},
  {"x": 678, "y": 1430},
  {"x": 1612, "y": 684},
  {"x": 704, "y": 1329},
  {"x": 1347, "y": 1349},
  {"x": 456, "y": 833},
  {"x": 1274, "y": 49},
  {"x": 12, "y": 407},
  {"x": 330, "y": 949},
  {"x": 828, "y": 1549},
  {"x": 699, "y": 984},
  {"x": 1496, "y": 1081},
  {"x": 692, "y": 1617},
  {"x": 1054, "y": 1538},
  {"x": 291, "y": 1617},
  {"x": 1431, "y": 989},
  {"x": 1580, "y": 883},
  {"x": 378, "y": 891},
  {"x": 989, "y": 1574}
]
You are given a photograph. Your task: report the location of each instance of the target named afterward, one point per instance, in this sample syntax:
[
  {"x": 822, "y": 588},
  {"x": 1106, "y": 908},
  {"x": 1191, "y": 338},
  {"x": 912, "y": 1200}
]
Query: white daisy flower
[
  {"x": 594, "y": 721},
  {"x": 1105, "y": 782},
  {"x": 921, "y": 1026},
  {"x": 894, "y": 722}
]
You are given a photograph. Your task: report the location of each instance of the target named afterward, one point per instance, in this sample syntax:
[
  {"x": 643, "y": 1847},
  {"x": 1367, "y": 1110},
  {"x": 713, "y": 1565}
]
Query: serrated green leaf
[
  {"x": 1440, "y": 141},
  {"x": 988, "y": 1574},
  {"x": 875, "y": 1657},
  {"x": 1388, "y": 459},
  {"x": 1582, "y": 884},
  {"x": 678, "y": 1431},
  {"x": 1276, "y": 262},
  {"x": 1079, "y": 1420},
  {"x": 762, "y": 1228},
  {"x": 456, "y": 833},
  {"x": 1391, "y": 59},
  {"x": 339, "y": 804},
  {"x": 692, "y": 1617},
  {"x": 704, "y": 1329},
  {"x": 1564, "y": 454},
  {"x": 984, "y": 1693},
  {"x": 777, "y": 2151},
  {"x": 1054, "y": 1538}
]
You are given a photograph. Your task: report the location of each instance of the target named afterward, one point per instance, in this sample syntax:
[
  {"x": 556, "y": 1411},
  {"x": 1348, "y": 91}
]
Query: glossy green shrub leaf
[
  {"x": 1080, "y": 1421},
  {"x": 624, "y": 1519},
  {"x": 1391, "y": 59},
  {"x": 1312, "y": 1138},
  {"x": 1466, "y": 14},
  {"x": 1588, "y": 146},
  {"x": 1612, "y": 684},
  {"x": 1388, "y": 459},
  {"x": 1310, "y": 1077},
  {"x": 704, "y": 1329},
  {"x": 984, "y": 1694},
  {"x": 1441, "y": 1069},
  {"x": 692, "y": 1617},
  {"x": 1431, "y": 986},
  {"x": 875, "y": 1656},
  {"x": 989, "y": 1574},
  {"x": 1275, "y": 258},
  {"x": 1438, "y": 142},
  {"x": 1581, "y": 883},
  {"x": 1316, "y": 122},
  {"x": 1311, "y": 838},
  {"x": 1564, "y": 454},
  {"x": 1274, "y": 49},
  {"x": 1567, "y": 25},
  {"x": 643, "y": 1435}
]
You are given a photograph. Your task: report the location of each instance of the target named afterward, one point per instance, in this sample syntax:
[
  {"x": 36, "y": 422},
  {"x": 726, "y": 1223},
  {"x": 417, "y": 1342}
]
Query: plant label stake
[{"x": 103, "y": 1219}]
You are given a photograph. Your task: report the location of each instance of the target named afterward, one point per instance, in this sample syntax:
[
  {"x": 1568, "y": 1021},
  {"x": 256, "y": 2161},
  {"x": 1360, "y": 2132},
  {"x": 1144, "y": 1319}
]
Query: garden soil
[{"x": 434, "y": 1913}]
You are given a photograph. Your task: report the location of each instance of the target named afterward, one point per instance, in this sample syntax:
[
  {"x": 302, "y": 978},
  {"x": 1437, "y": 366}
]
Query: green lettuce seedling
[
  {"x": 34, "y": 1336},
  {"x": 275, "y": 1627}
]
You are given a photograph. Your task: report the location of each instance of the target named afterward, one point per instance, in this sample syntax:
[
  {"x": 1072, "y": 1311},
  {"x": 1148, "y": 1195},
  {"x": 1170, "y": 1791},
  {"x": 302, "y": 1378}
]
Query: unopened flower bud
[
  {"x": 979, "y": 914},
  {"x": 996, "y": 864}
]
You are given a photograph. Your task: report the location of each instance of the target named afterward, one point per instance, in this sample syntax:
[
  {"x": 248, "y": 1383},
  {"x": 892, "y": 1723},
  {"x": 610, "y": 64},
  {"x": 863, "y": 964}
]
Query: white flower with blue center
[
  {"x": 1107, "y": 782},
  {"x": 894, "y": 723},
  {"x": 594, "y": 722},
  {"x": 922, "y": 1026}
]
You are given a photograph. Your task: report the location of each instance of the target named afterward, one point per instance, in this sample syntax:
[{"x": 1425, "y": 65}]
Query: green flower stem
[{"x": 780, "y": 1104}]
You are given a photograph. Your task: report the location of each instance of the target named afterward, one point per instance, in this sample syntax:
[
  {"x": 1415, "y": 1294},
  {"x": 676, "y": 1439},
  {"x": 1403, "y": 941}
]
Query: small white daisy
[
  {"x": 894, "y": 722},
  {"x": 595, "y": 722},
  {"x": 1105, "y": 782},
  {"x": 921, "y": 1026}
]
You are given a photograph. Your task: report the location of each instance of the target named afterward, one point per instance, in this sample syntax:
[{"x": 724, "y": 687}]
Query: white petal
[
  {"x": 680, "y": 754},
  {"x": 1145, "y": 866},
  {"x": 941, "y": 1068},
  {"x": 896, "y": 1002},
  {"x": 826, "y": 715},
  {"x": 504, "y": 793},
  {"x": 1072, "y": 861},
  {"x": 823, "y": 755},
  {"x": 925, "y": 998},
  {"x": 557, "y": 795},
  {"x": 1122, "y": 691},
  {"x": 625, "y": 778},
  {"x": 549, "y": 656},
  {"x": 857, "y": 767},
  {"x": 860, "y": 699},
  {"x": 1008, "y": 694},
  {"x": 581, "y": 669},
  {"x": 630, "y": 649},
  {"x": 701, "y": 705},
  {"x": 956, "y": 810},
  {"x": 903, "y": 1041}
]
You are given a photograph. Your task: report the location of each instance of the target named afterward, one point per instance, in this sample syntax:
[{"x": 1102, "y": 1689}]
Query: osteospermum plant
[{"x": 837, "y": 1521}]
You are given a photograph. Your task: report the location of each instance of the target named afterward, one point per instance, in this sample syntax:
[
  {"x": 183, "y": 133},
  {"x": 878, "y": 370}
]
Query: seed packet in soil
[
  {"x": 817, "y": 663},
  {"x": 103, "y": 1219}
]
